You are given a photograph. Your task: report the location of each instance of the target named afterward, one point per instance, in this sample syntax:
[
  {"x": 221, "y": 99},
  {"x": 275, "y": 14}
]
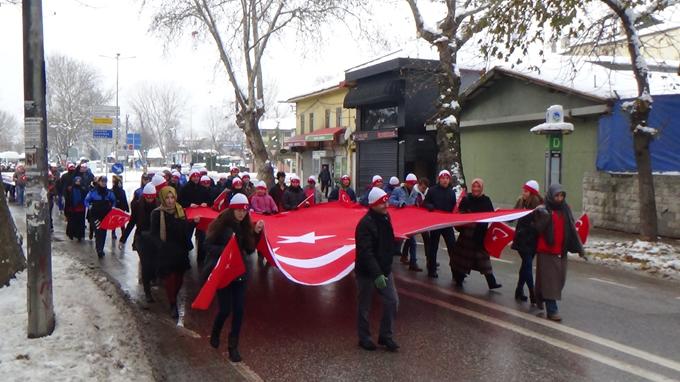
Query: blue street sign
[
  {"x": 117, "y": 168},
  {"x": 134, "y": 139},
  {"x": 102, "y": 133}
]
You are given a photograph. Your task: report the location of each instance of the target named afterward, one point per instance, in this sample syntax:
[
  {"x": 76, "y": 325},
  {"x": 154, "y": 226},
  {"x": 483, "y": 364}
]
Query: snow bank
[
  {"x": 93, "y": 340},
  {"x": 656, "y": 258}
]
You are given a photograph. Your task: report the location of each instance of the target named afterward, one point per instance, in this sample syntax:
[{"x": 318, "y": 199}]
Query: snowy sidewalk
[
  {"x": 95, "y": 339},
  {"x": 627, "y": 251}
]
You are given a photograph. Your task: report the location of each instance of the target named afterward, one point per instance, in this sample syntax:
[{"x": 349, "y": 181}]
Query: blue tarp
[{"x": 615, "y": 140}]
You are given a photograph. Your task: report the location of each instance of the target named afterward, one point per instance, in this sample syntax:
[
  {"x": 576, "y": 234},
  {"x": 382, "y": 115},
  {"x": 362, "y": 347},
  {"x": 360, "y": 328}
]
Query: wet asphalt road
[{"x": 618, "y": 326}]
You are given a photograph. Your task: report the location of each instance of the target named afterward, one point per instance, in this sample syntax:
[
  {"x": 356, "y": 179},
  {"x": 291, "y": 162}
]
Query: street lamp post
[
  {"x": 554, "y": 127},
  {"x": 117, "y": 57}
]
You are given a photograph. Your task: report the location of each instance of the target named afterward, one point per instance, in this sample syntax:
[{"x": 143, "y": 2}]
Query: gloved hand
[{"x": 380, "y": 282}]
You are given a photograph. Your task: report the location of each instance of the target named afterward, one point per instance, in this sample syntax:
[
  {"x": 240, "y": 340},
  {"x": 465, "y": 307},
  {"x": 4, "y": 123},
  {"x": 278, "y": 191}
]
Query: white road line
[
  {"x": 492, "y": 258},
  {"x": 611, "y": 283},
  {"x": 625, "y": 367},
  {"x": 649, "y": 357}
]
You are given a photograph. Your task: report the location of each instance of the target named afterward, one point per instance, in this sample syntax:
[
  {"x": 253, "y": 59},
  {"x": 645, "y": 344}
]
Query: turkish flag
[
  {"x": 497, "y": 237},
  {"x": 116, "y": 218},
  {"x": 343, "y": 197},
  {"x": 206, "y": 214},
  {"x": 460, "y": 197},
  {"x": 583, "y": 227},
  {"x": 229, "y": 267},
  {"x": 309, "y": 192}
]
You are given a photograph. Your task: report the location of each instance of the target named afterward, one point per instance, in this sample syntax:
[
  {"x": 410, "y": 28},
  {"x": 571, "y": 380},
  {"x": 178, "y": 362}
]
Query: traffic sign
[
  {"x": 102, "y": 121},
  {"x": 102, "y": 133},
  {"x": 117, "y": 168},
  {"x": 134, "y": 139}
]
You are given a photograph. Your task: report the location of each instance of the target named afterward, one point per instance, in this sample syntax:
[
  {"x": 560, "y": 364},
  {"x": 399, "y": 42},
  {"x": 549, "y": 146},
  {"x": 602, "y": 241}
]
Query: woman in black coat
[
  {"x": 74, "y": 209},
  {"x": 469, "y": 253},
  {"x": 121, "y": 199},
  {"x": 525, "y": 240},
  {"x": 170, "y": 235},
  {"x": 234, "y": 221}
]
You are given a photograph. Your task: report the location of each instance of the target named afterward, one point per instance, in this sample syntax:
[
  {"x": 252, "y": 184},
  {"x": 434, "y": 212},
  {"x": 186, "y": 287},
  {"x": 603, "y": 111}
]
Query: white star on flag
[{"x": 308, "y": 238}]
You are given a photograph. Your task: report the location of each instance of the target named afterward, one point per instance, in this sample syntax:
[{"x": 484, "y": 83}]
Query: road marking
[
  {"x": 611, "y": 283},
  {"x": 491, "y": 257},
  {"x": 631, "y": 369},
  {"x": 649, "y": 357}
]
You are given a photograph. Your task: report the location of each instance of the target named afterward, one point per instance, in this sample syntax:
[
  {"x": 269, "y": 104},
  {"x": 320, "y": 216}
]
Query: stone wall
[{"x": 611, "y": 202}]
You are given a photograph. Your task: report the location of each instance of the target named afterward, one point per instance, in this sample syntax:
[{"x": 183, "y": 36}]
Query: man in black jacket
[
  {"x": 375, "y": 248},
  {"x": 441, "y": 197}
]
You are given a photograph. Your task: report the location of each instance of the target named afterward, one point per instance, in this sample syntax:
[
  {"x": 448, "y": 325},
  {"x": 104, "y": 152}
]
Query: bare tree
[
  {"x": 158, "y": 110},
  {"x": 461, "y": 21},
  {"x": 12, "y": 258},
  {"x": 241, "y": 31},
  {"x": 9, "y": 131},
  {"x": 73, "y": 89},
  {"x": 215, "y": 124},
  {"x": 523, "y": 22}
]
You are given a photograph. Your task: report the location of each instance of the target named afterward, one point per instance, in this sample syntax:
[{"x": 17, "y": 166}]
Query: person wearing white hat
[
  {"x": 312, "y": 194},
  {"x": 392, "y": 185},
  {"x": 261, "y": 202},
  {"x": 344, "y": 186},
  {"x": 403, "y": 196},
  {"x": 141, "y": 218},
  {"x": 159, "y": 182},
  {"x": 222, "y": 179},
  {"x": 525, "y": 238},
  {"x": 294, "y": 197},
  {"x": 440, "y": 197},
  {"x": 233, "y": 174},
  {"x": 174, "y": 182},
  {"x": 376, "y": 181},
  {"x": 193, "y": 194},
  {"x": 99, "y": 202},
  {"x": 248, "y": 186},
  {"x": 234, "y": 221},
  {"x": 375, "y": 248},
  {"x": 86, "y": 175}
]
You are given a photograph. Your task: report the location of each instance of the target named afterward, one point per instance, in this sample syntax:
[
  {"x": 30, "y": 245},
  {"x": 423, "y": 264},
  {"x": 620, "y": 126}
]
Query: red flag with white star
[
  {"x": 497, "y": 237},
  {"x": 583, "y": 227},
  {"x": 116, "y": 218},
  {"x": 229, "y": 266}
]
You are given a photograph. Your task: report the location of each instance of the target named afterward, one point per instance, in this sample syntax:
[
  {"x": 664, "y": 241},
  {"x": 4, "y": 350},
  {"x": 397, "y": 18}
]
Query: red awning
[
  {"x": 295, "y": 141},
  {"x": 321, "y": 135}
]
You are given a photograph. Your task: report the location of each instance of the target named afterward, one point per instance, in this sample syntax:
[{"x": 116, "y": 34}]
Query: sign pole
[{"x": 39, "y": 255}]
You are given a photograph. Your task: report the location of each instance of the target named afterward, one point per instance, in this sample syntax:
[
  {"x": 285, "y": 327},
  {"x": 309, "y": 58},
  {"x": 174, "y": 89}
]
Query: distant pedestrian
[
  {"x": 141, "y": 218},
  {"x": 121, "y": 199},
  {"x": 440, "y": 197},
  {"x": 234, "y": 221},
  {"x": 392, "y": 185},
  {"x": 138, "y": 192},
  {"x": 325, "y": 179},
  {"x": 376, "y": 181},
  {"x": 525, "y": 240},
  {"x": 312, "y": 194},
  {"x": 99, "y": 202},
  {"x": 74, "y": 209},
  {"x": 20, "y": 180},
  {"x": 556, "y": 237},
  {"x": 248, "y": 186},
  {"x": 294, "y": 196},
  {"x": 277, "y": 190},
  {"x": 404, "y": 196},
  {"x": 375, "y": 248},
  {"x": 170, "y": 231},
  {"x": 469, "y": 253},
  {"x": 345, "y": 187}
]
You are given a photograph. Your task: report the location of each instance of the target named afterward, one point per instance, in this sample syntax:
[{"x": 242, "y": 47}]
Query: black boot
[
  {"x": 215, "y": 338},
  {"x": 519, "y": 293},
  {"x": 491, "y": 281},
  {"x": 234, "y": 355},
  {"x": 532, "y": 296},
  {"x": 458, "y": 277},
  {"x": 147, "y": 293}
]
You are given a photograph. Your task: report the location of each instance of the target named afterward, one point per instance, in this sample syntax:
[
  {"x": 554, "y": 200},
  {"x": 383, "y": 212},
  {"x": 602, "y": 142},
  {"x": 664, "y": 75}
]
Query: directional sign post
[
  {"x": 134, "y": 140},
  {"x": 102, "y": 133},
  {"x": 117, "y": 168}
]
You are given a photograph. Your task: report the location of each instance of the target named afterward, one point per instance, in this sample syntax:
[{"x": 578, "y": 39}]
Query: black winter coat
[
  {"x": 375, "y": 245},
  {"x": 121, "y": 198},
  {"x": 481, "y": 203},
  {"x": 193, "y": 193},
  {"x": 526, "y": 236},
  {"x": 293, "y": 197},
  {"x": 335, "y": 194},
  {"x": 140, "y": 217},
  {"x": 440, "y": 198},
  {"x": 215, "y": 246},
  {"x": 173, "y": 254}
]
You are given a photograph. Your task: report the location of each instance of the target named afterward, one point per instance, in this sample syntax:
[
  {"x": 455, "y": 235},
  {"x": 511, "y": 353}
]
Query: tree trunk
[
  {"x": 257, "y": 147},
  {"x": 448, "y": 131},
  {"x": 648, "y": 218},
  {"x": 12, "y": 258}
]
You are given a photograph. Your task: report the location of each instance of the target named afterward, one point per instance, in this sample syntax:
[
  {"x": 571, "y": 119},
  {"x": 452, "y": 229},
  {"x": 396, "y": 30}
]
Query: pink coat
[{"x": 262, "y": 204}]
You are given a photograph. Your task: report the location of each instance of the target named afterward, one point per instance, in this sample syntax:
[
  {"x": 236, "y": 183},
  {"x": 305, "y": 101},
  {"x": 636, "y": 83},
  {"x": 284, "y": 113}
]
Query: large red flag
[
  {"x": 229, "y": 266},
  {"x": 206, "y": 214},
  {"x": 583, "y": 227},
  {"x": 497, "y": 237},
  {"x": 343, "y": 197},
  {"x": 116, "y": 218}
]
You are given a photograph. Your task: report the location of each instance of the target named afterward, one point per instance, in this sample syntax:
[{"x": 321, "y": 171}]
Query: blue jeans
[
  {"x": 551, "y": 307},
  {"x": 20, "y": 194},
  {"x": 526, "y": 274}
]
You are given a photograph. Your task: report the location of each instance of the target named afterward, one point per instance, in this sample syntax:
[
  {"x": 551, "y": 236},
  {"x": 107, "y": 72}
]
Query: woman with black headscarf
[
  {"x": 469, "y": 253},
  {"x": 556, "y": 237}
]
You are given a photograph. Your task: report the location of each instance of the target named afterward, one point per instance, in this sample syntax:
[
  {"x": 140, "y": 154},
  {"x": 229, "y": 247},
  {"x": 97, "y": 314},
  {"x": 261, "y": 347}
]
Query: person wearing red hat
[
  {"x": 375, "y": 248},
  {"x": 193, "y": 194},
  {"x": 312, "y": 194},
  {"x": 525, "y": 240},
  {"x": 403, "y": 196},
  {"x": 233, "y": 174},
  {"x": 261, "y": 202},
  {"x": 345, "y": 186},
  {"x": 236, "y": 222},
  {"x": 294, "y": 197},
  {"x": 440, "y": 197},
  {"x": 376, "y": 181},
  {"x": 141, "y": 218}
]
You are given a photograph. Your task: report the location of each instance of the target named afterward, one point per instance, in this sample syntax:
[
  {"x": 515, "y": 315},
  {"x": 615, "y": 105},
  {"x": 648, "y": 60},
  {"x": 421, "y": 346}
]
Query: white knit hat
[
  {"x": 157, "y": 180},
  {"x": 261, "y": 184},
  {"x": 205, "y": 178},
  {"x": 176, "y": 174},
  {"x": 532, "y": 186},
  {"x": 194, "y": 172},
  {"x": 239, "y": 201},
  {"x": 203, "y": 170},
  {"x": 223, "y": 175},
  {"x": 411, "y": 178},
  {"x": 394, "y": 181},
  {"x": 311, "y": 179},
  {"x": 377, "y": 196},
  {"x": 244, "y": 174},
  {"x": 149, "y": 189},
  {"x": 376, "y": 178},
  {"x": 294, "y": 177},
  {"x": 236, "y": 180},
  {"x": 444, "y": 173}
]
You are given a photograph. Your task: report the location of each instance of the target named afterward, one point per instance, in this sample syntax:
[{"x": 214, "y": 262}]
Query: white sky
[{"x": 88, "y": 29}]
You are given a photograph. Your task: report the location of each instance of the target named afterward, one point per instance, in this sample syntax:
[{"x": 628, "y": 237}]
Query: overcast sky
[{"x": 89, "y": 29}]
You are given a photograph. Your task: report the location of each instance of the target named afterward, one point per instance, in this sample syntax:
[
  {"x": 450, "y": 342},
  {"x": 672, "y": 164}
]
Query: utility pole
[
  {"x": 117, "y": 57},
  {"x": 39, "y": 295}
]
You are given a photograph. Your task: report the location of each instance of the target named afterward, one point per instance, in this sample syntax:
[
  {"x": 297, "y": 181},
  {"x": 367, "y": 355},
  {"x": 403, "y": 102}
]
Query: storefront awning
[
  {"x": 295, "y": 141},
  {"x": 372, "y": 92},
  {"x": 323, "y": 135}
]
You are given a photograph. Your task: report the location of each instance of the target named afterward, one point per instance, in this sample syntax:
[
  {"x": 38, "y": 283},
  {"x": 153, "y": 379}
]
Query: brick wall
[{"x": 611, "y": 202}]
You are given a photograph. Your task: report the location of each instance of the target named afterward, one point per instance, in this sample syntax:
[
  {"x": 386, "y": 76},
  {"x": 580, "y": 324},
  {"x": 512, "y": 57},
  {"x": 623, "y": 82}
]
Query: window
[
  {"x": 379, "y": 118},
  {"x": 338, "y": 117},
  {"x": 311, "y": 122},
  {"x": 327, "y": 118},
  {"x": 302, "y": 123}
]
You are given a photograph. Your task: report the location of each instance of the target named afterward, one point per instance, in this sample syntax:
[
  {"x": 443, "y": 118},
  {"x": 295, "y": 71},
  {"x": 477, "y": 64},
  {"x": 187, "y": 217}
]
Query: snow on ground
[
  {"x": 656, "y": 258},
  {"x": 94, "y": 339}
]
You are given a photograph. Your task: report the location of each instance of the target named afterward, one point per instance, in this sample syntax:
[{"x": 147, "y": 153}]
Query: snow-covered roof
[
  {"x": 154, "y": 153},
  {"x": 285, "y": 123},
  {"x": 329, "y": 85},
  {"x": 11, "y": 155}
]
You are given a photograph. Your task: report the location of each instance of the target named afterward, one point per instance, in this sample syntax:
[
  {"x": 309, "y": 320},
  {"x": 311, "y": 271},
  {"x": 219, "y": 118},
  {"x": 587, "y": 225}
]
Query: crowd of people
[{"x": 163, "y": 235}]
